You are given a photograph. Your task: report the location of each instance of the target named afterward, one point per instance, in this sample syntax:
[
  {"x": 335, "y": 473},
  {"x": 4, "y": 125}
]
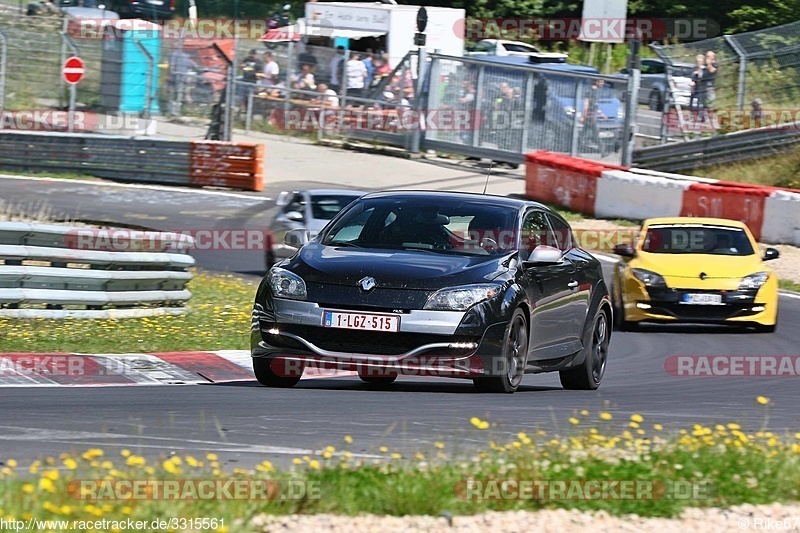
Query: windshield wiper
[{"x": 342, "y": 244}]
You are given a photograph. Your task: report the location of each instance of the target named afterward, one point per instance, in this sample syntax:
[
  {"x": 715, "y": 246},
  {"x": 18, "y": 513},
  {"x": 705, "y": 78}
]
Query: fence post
[
  {"x": 3, "y": 61},
  {"x": 343, "y": 77},
  {"x": 629, "y": 129},
  {"x": 73, "y": 88},
  {"x": 287, "y": 102},
  {"x": 230, "y": 92},
  {"x": 576, "y": 118},
  {"x": 740, "y": 89},
  {"x": 416, "y": 135},
  {"x": 527, "y": 108},
  {"x": 475, "y": 141}
]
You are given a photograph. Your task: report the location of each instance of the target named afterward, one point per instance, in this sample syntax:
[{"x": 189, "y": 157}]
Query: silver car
[
  {"x": 311, "y": 209},
  {"x": 654, "y": 91}
]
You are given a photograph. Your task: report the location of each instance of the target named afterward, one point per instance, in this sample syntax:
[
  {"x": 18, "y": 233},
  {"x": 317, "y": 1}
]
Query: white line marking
[
  {"x": 789, "y": 294},
  {"x": 140, "y": 186}
]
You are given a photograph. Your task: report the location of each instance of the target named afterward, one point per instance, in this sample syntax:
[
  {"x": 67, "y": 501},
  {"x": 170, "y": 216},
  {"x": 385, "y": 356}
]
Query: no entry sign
[{"x": 73, "y": 70}]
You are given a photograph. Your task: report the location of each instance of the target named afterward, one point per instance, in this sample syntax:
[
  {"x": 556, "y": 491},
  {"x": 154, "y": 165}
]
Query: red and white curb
[{"x": 167, "y": 368}]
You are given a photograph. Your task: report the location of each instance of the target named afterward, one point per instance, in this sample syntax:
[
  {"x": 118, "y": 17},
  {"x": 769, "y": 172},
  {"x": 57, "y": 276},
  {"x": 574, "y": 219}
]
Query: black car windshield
[
  {"x": 441, "y": 225},
  {"x": 327, "y": 206},
  {"x": 697, "y": 239}
]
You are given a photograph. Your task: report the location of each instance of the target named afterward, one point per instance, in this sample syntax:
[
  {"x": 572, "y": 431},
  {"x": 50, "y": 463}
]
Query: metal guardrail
[
  {"x": 737, "y": 146},
  {"x": 45, "y": 267},
  {"x": 136, "y": 159}
]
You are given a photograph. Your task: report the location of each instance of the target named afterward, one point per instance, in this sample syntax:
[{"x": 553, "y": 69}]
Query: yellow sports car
[{"x": 694, "y": 270}]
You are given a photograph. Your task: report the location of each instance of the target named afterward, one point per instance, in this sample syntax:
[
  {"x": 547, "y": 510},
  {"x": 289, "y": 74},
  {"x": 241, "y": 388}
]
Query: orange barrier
[
  {"x": 742, "y": 203},
  {"x": 227, "y": 164},
  {"x": 563, "y": 180}
]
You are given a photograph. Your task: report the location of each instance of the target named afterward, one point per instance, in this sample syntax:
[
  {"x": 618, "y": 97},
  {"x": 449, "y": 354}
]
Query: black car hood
[{"x": 395, "y": 269}]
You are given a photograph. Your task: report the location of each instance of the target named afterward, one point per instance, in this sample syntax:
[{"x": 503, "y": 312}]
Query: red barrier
[
  {"x": 745, "y": 204},
  {"x": 563, "y": 180},
  {"x": 227, "y": 164}
]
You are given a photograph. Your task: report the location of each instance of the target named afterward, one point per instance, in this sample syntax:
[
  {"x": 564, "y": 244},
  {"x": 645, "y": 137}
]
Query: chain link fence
[
  {"x": 758, "y": 72},
  {"x": 462, "y": 106}
]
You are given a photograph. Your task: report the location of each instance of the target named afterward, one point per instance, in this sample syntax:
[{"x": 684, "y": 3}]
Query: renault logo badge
[
  {"x": 703, "y": 275},
  {"x": 367, "y": 284}
]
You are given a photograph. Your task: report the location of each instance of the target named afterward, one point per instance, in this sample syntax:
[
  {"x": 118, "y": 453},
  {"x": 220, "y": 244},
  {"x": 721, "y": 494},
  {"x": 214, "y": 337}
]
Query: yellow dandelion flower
[
  {"x": 483, "y": 425},
  {"x": 12, "y": 463},
  {"x": 297, "y": 461},
  {"x": 46, "y": 484},
  {"x": 330, "y": 449},
  {"x": 348, "y": 439},
  {"x": 637, "y": 418},
  {"x": 763, "y": 400},
  {"x": 658, "y": 427},
  {"x": 439, "y": 445},
  {"x": 191, "y": 461},
  {"x": 605, "y": 416},
  {"x": 51, "y": 474},
  {"x": 70, "y": 463},
  {"x": 314, "y": 464},
  {"x": 574, "y": 420},
  {"x": 475, "y": 421},
  {"x": 584, "y": 412},
  {"x": 27, "y": 489},
  {"x": 633, "y": 425},
  {"x": 419, "y": 457},
  {"x": 171, "y": 467},
  {"x": 383, "y": 449},
  {"x": 212, "y": 457},
  {"x": 396, "y": 455},
  {"x": 327, "y": 455}
]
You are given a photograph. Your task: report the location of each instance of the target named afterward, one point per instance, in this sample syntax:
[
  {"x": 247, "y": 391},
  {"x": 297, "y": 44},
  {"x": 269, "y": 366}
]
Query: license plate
[
  {"x": 606, "y": 134},
  {"x": 363, "y": 321},
  {"x": 702, "y": 299}
]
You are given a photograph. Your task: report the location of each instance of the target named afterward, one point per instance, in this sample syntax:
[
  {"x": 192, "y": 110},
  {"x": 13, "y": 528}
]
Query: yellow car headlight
[
  {"x": 753, "y": 281},
  {"x": 649, "y": 278}
]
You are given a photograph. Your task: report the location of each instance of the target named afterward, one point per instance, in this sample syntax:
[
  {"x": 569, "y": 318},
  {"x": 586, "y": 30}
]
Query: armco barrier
[
  {"x": 772, "y": 214},
  {"x": 137, "y": 160},
  {"x": 44, "y": 268}
]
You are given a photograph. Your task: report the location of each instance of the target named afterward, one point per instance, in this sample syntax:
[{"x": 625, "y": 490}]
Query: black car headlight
[
  {"x": 649, "y": 278},
  {"x": 753, "y": 281},
  {"x": 460, "y": 298},
  {"x": 285, "y": 284}
]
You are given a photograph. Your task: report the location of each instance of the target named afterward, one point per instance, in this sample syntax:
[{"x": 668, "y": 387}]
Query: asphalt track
[{"x": 247, "y": 423}]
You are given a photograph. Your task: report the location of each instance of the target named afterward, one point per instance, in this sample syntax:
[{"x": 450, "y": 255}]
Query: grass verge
[
  {"x": 788, "y": 285},
  {"x": 218, "y": 319},
  {"x": 716, "y": 466},
  {"x": 781, "y": 170}
]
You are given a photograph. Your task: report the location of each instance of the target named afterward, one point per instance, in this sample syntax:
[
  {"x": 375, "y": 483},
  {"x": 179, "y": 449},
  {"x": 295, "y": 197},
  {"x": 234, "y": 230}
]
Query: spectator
[
  {"x": 272, "y": 71},
  {"x": 591, "y": 112},
  {"x": 757, "y": 113},
  {"x": 382, "y": 67},
  {"x": 304, "y": 80},
  {"x": 252, "y": 66},
  {"x": 697, "y": 97},
  {"x": 467, "y": 94},
  {"x": 370, "y": 69},
  {"x": 306, "y": 57},
  {"x": 336, "y": 68},
  {"x": 710, "y": 79},
  {"x": 356, "y": 76},
  {"x": 327, "y": 96},
  {"x": 180, "y": 79}
]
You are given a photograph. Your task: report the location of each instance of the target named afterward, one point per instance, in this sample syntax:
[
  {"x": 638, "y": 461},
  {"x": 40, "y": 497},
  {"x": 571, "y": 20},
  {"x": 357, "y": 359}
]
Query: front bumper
[
  {"x": 438, "y": 343},
  {"x": 666, "y": 305}
]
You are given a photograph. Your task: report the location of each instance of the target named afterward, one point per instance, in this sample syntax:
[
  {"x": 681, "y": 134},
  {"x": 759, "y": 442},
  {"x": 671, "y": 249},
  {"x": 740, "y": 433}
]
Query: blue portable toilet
[{"x": 123, "y": 80}]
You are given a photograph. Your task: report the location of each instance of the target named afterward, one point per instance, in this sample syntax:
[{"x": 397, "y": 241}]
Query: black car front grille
[{"x": 364, "y": 342}]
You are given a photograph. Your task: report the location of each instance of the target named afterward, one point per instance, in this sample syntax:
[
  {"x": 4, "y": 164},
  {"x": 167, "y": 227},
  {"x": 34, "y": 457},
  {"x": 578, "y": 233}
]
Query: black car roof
[{"x": 503, "y": 201}]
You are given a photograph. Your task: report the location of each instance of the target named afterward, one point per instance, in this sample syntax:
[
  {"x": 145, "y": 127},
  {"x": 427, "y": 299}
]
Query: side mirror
[
  {"x": 296, "y": 238},
  {"x": 770, "y": 254},
  {"x": 283, "y": 198},
  {"x": 625, "y": 250},
  {"x": 624, "y": 71},
  {"x": 544, "y": 255},
  {"x": 294, "y": 216}
]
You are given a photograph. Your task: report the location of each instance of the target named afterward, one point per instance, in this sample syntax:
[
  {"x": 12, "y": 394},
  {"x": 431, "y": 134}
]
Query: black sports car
[{"x": 445, "y": 284}]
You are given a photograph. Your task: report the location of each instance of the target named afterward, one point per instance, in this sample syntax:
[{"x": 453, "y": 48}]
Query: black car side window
[
  {"x": 535, "y": 232},
  {"x": 562, "y": 232}
]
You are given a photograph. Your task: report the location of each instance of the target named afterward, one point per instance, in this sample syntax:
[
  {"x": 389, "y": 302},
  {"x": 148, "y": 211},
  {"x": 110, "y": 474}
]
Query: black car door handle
[{"x": 572, "y": 285}]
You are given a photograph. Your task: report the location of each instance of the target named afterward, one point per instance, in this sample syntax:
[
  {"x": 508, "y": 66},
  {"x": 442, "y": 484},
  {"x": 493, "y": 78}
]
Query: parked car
[
  {"x": 653, "y": 90},
  {"x": 310, "y": 209},
  {"x": 693, "y": 269},
  {"x": 501, "y": 48},
  {"x": 153, "y": 10},
  {"x": 471, "y": 286}
]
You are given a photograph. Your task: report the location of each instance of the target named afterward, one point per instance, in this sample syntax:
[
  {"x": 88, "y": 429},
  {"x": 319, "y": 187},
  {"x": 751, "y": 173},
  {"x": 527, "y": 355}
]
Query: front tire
[
  {"x": 515, "y": 358},
  {"x": 590, "y": 373},
  {"x": 266, "y": 376}
]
